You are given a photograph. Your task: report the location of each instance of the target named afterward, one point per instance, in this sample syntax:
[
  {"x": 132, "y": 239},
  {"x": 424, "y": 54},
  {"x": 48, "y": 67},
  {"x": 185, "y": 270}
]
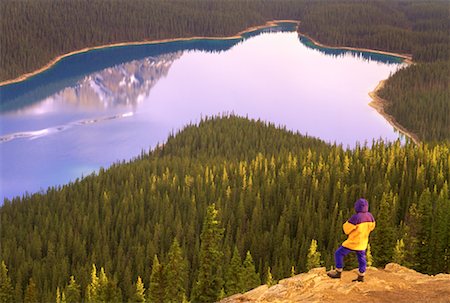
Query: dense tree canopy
[
  {"x": 274, "y": 192},
  {"x": 34, "y": 32}
]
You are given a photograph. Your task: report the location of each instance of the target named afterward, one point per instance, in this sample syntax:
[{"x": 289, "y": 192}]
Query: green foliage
[
  {"x": 6, "y": 288},
  {"x": 35, "y": 32},
  {"x": 209, "y": 282},
  {"x": 31, "y": 293},
  {"x": 419, "y": 98},
  {"x": 73, "y": 291},
  {"x": 313, "y": 258},
  {"x": 369, "y": 257},
  {"x": 250, "y": 279},
  {"x": 301, "y": 189},
  {"x": 157, "y": 283},
  {"x": 383, "y": 240},
  {"x": 139, "y": 295},
  {"x": 93, "y": 288},
  {"x": 269, "y": 278},
  {"x": 233, "y": 277},
  {"x": 175, "y": 274},
  {"x": 399, "y": 252},
  {"x": 102, "y": 289}
]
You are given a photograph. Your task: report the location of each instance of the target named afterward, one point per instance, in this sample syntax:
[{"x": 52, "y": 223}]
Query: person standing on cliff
[{"x": 358, "y": 228}]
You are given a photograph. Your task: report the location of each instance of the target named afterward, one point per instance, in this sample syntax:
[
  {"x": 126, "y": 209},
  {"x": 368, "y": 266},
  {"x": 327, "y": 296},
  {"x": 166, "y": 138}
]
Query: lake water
[{"x": 95, "y": 108}]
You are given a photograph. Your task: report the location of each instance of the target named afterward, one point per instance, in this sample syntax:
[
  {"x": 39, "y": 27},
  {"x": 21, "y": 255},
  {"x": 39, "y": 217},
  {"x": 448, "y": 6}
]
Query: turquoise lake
[{"x": 96, "y": 108}]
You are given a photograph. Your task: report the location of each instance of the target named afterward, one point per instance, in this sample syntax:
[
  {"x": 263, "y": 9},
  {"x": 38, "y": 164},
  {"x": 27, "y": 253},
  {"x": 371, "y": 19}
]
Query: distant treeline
[
  {"x": 419, "y": 96},
  {"x": 273, "y": 193},
  {"x": 34, "y": 32}
]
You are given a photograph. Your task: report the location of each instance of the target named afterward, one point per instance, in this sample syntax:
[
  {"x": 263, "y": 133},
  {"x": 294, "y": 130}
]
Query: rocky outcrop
[{"x": 394, "y": 283}]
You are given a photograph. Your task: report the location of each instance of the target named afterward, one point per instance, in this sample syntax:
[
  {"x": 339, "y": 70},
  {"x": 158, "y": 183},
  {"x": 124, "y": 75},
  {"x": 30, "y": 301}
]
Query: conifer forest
[
  {"x": 201, "y": 216},
  {"x": 35, "y": 32},
  {"x": 231, "y": 203}
]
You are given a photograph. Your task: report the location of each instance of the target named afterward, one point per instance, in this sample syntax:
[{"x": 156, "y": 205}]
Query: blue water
[{"x": 95, "y": 108}]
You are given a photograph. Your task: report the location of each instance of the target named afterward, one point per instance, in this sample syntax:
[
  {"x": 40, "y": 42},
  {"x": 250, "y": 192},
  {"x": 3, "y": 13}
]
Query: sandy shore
[
  {"x": 57, "y": 59},
  {"x": 378, "y": 103}
]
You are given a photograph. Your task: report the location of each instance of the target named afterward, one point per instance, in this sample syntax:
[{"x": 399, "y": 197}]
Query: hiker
[{"x": 358, "y": 228}]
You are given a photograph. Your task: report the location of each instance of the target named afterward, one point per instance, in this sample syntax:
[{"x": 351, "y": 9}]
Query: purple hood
[{"x": 361, "y": 206}]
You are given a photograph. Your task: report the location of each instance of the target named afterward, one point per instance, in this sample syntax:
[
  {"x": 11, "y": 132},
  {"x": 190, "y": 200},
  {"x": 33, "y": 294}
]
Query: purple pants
[{"x": 341, "y": 252}]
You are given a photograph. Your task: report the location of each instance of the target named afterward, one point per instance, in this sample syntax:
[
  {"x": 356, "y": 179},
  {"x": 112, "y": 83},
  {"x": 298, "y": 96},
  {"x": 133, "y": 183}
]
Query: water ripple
[{"x": 31, "y": 135}]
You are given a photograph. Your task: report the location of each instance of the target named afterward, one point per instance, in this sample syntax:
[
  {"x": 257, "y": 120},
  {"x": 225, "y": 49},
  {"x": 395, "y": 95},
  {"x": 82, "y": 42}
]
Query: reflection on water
[
  {"x": 124, "y": 85},
  {"x": 95, "y": 108},
  {"x": 335, "y": 52}
]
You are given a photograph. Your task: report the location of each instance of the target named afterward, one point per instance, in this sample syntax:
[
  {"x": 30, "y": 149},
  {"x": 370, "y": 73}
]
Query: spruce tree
[
  {"x": 250, "y": 279},
  {"x": 6, "y": 288},
  {"x": 383, "y": 236},
  {"x": 31, "y": 293},
  {"x": 399, "y": 252},
  {"x": 156, "y": 289},
  {"x": 175, "y": 274},
  {"x": 138, "y": 295},
  {"x": 73, "y": 292},
  {"x": 233, "y": 276},
  {"x": 269, "y": 279},
  {"x": 93, "y": 287},
  {"x": 58, "y": 295},
  {"x": 423, "y": 253},
  {"x": 209, "y": 280},
  {"x": 369, "y": 256},
  {"x": 313, "y": 258}
]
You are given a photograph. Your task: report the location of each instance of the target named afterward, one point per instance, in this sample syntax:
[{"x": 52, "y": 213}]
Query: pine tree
[
  {"x": 73, "y": 291},
  {"x": 399, "y": 252},
  {"x": 108, "y": 290},
  {"x": 233, "y": 277},
  {"x": 156, "y": 289},
  {"x": 423, "y": 253},
  {"x": 313, "y": 258},
  {"x": 6, "y": 288},
  {"x": 269, "y": 279},
  {"x": 250, "y": 279},
  {"x": 93, "y": 287},
  {"x": 209, "y": 281},
  {"x": 31, "y": 293},
  {"x": 58, "y": 295},
  {"x": 369, "y": 257},
  {"x": 138, "y": 295},
  {"x": 175, "y": 274},
  {"x": 383, "y": 235}
]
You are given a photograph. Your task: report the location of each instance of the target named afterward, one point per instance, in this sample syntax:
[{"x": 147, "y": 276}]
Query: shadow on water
[{"x": 335, "y": 52}]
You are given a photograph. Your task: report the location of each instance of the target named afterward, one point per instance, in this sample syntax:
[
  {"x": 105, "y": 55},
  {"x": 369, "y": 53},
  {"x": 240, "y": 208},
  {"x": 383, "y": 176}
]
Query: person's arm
[{"x": 348, "y": 227}]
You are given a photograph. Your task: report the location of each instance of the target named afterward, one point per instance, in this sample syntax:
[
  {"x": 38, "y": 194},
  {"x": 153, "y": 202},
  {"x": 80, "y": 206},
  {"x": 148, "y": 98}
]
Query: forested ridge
[
  {"x": 218, "y": 209},
  {"x": 34, "y": 32}
]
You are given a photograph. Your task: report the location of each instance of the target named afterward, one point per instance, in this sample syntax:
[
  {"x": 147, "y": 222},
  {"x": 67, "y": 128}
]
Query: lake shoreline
[
  {"x": 378, "y": 103},
  {"x": 49, "y": 65}
]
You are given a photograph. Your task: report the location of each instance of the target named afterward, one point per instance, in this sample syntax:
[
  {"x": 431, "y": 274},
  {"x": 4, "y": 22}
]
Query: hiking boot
[
  {"x": 360, "y": 278},
  {"x": 334, "y": 274}
]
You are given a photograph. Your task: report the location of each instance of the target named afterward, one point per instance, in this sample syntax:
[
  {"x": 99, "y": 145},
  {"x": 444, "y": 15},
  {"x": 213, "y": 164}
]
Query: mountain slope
[{"x": 394, "y": 283}]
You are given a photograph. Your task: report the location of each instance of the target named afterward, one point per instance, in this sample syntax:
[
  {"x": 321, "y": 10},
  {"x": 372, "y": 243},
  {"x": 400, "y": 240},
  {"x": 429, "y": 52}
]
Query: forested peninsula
[
  {"x": 230, "y": 203},
  {"x": 226, "y": 201},
  {"x": 35, "y": 32}
]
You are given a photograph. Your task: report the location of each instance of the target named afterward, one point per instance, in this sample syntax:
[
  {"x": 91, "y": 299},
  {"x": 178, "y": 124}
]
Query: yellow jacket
[{"x": 358, "y": 227}]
